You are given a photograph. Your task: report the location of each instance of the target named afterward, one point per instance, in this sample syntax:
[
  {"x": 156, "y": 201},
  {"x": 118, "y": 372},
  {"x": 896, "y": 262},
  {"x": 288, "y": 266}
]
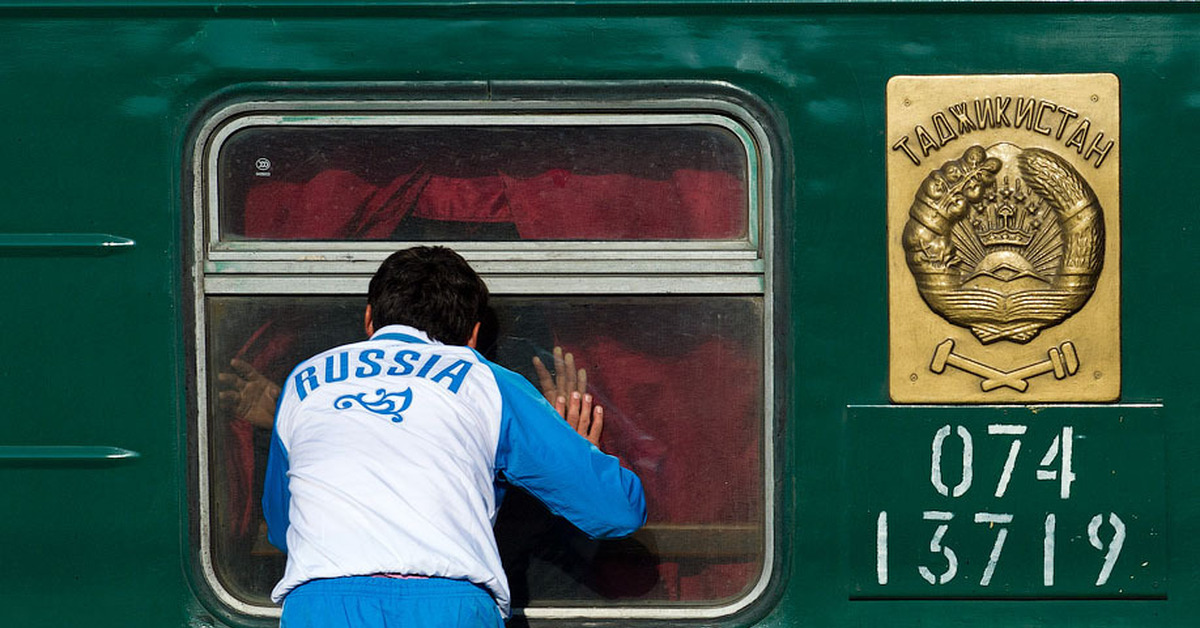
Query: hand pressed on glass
[
  {"x": 565, "y": 380},
  {"x": 248, "y": 394},
  {"x": 566, "y": 389},
  {"x": 580, "y": 414}
]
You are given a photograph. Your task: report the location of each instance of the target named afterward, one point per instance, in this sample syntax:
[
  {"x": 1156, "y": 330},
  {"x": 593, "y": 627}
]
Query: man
[{"x": 381, "y": 478}]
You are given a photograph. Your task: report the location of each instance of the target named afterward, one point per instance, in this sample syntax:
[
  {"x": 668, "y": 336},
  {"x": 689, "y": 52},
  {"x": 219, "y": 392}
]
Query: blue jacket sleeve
[
  {"x": 276, "y": 496},
  {"x": 540, "y": 453}
]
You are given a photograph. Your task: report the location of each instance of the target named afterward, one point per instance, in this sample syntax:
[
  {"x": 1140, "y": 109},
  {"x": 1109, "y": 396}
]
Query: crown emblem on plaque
[
  {"x": 1009, "y": 215},
  {"x": 1005, "y": 241}
]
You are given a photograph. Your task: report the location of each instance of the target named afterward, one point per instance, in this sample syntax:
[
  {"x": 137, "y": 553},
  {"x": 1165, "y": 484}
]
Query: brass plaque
[{"x": 1003, "y": 238}]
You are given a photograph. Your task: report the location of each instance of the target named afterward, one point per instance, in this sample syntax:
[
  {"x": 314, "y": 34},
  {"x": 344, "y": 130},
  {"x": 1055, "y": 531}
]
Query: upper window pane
[{"x": 396, "y": 178}]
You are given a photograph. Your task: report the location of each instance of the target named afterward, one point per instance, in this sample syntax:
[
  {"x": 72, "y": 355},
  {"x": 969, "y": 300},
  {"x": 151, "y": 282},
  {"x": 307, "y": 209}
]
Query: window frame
[{"x": 740, "y": 267}]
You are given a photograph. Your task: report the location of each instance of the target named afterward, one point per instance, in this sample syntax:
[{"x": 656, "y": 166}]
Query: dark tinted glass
[
  {"x": 423, "y": 183},
  {"x": 681, "y": 379}
]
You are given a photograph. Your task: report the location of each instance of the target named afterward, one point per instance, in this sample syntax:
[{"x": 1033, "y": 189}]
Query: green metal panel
[
  {"x": 1058, "y": 502},
  {"x": 98, "y": 102}
]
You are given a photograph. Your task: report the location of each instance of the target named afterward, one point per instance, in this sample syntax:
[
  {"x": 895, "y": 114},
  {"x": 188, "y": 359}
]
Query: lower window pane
[{"x": 681, "y": 379}]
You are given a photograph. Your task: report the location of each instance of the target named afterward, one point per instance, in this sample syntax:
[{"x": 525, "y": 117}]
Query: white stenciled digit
[
  {"x": 1114, "y": 545},
  {"x": 1048, "y": 552},
  {"x": 998, "y": 546},
  {"x": 935, "y": 473},
  {"x": 1013, "y": 450},
  {"x": 881, "y": 547},
  {"x": 1066, "y": 444},
  {"x": 936, "y": 547},
  {"x": 1067, "y": 476}
]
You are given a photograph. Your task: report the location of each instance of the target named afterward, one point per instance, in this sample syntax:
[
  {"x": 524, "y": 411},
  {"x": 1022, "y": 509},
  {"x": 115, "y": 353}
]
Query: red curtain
[{"x": 556, "y": 205}]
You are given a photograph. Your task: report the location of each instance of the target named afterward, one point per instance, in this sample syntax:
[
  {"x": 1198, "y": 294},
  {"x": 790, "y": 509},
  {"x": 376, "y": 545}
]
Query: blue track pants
[{"x": 366, "y": 602}]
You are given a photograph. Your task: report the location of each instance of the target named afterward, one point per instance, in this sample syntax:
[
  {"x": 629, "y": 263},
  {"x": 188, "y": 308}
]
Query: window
[{"x": 631, "y": 233}]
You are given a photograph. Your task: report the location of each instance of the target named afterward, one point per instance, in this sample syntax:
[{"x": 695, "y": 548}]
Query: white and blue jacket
[{"x": 385, "y": 455}]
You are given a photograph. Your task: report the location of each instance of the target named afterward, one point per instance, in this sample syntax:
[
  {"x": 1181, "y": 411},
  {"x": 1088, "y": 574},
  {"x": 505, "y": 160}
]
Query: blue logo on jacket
[{"x": 387, "y": 404}]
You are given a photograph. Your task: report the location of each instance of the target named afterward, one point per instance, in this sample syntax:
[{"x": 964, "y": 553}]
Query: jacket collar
[{"x": 403, "y": 333}]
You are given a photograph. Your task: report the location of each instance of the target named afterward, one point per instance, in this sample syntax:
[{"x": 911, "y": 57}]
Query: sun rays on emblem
[{"x": 1005, "y": 241}]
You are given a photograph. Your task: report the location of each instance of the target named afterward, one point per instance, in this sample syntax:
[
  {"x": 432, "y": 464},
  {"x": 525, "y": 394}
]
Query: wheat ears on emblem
[{"x": 1005, "y": 241}]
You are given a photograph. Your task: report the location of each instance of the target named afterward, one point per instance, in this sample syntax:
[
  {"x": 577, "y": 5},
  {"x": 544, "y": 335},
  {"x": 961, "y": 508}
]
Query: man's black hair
[{"x": 430, "y": 288}]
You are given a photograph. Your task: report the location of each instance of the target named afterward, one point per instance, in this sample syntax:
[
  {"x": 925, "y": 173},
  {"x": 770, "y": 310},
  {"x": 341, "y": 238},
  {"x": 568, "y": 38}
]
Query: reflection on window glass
[
  {"x": 420, "y": 183},
  {"x": 681, "y": 379}
]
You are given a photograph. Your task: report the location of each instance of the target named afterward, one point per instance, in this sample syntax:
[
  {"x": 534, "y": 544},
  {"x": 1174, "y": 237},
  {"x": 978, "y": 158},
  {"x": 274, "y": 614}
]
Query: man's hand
[
  {"x": 566, "y": 378},
  {"x": 248, "y": 394},
  {"x": 566, "y": 389},
  {"x": 581, "y": 415}
]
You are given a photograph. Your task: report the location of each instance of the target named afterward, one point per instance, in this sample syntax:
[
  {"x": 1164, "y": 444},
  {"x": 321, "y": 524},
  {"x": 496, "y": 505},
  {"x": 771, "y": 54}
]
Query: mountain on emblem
[{"x": 1005, "y": 241}]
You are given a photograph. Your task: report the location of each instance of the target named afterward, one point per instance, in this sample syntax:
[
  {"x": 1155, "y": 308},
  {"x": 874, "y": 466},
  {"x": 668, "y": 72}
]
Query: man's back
[
  {"x": 391, "y": 447},
  {"x": 384, "y": 458}
]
